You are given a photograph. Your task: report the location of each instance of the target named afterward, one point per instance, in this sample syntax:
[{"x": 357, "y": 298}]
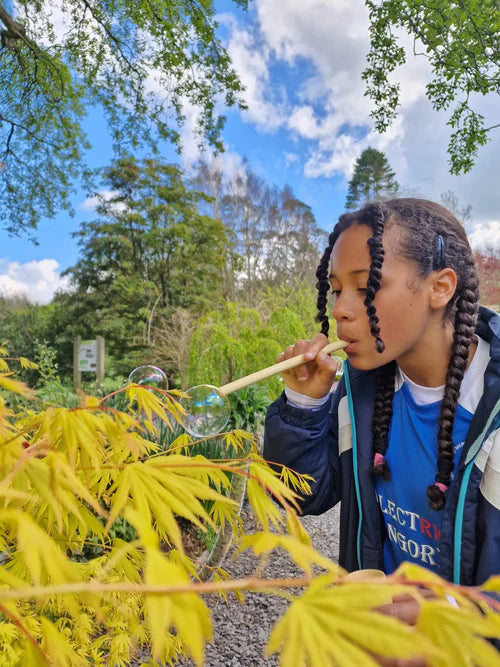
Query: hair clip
[{"x": 439, "y": 256}]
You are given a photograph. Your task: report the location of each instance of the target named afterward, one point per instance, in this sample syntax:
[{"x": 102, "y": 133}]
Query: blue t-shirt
[{"x": 413, "y": 529}]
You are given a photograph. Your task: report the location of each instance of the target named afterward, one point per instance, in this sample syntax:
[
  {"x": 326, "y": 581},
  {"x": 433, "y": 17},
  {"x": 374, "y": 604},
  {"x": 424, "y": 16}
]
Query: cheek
[{"x": 400, "y": 319}]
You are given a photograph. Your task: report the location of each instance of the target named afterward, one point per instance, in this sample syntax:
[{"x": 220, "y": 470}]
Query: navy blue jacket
[{"x": 334, "y": 445}]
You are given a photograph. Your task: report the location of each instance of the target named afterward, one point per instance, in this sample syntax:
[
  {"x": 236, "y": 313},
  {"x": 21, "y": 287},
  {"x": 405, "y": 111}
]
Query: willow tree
[{"x": 140, "y": 63}]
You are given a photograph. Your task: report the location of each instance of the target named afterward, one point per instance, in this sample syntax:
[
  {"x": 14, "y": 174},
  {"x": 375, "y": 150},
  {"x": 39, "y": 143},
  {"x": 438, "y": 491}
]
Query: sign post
[{"x": 88, "y": 357}]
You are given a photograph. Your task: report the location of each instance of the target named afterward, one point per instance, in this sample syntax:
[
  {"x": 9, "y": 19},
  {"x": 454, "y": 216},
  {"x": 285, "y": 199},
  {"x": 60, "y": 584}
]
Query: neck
[{"x": 427, "y": 364}]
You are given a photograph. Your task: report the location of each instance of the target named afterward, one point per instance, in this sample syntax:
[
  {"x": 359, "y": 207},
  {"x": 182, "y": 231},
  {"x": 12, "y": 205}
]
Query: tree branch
[
  {"x": 15, "y": 30},
  {"x": 116, "y": 41}
]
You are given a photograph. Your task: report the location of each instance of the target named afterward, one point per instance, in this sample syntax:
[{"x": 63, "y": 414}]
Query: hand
[
  {"x": 406, "y": 609},
  {"x": 315, "y": 378}
]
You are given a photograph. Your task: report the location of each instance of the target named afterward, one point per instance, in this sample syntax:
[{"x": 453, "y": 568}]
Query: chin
[{"x": 363, "y": 364}]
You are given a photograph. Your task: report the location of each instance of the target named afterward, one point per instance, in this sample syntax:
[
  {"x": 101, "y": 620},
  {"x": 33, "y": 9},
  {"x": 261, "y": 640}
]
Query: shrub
[{"x": 92, "y": 475}]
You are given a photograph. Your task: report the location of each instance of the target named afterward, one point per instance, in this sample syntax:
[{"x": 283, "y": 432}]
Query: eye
[{"x": 335, "y": 294}]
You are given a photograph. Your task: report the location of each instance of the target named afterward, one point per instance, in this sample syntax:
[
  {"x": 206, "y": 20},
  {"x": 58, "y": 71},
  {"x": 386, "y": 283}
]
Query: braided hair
[{"x": 433, "y": 239}]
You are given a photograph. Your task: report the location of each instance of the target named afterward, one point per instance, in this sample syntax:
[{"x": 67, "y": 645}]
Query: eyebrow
[{"x": 351, "y": 273}]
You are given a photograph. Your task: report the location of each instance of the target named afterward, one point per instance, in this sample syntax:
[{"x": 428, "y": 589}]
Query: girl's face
[{"x": 402, "y": 302}]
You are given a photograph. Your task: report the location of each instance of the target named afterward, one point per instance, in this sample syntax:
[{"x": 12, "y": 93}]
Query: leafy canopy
[
  {"x": 148, "y": 250},
  {"x": 140, "y": 63},
  {"x": 460, "y": 41}
]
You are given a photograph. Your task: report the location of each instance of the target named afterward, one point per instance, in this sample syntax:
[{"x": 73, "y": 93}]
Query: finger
[
  {"x": 303, "y": 371},
  {"x": 326, "y": 364},
  {"x": 407, "y": 612},
  {"x": 302, "y": 346},
  {"x": 316, "y": 344},
  {"x": 420, "y": 592},
  {"x": 403, "y": 597}
]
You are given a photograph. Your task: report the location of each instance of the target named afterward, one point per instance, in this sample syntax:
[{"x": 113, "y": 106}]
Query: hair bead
[{"x": 442, "y": 487}]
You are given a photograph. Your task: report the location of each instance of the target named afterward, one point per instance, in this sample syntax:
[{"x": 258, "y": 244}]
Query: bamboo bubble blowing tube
[{"x": 207, "y": 407}]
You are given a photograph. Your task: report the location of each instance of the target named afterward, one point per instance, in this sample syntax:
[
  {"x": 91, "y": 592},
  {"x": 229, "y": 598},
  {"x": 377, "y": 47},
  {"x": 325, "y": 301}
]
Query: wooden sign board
[{"x": 88, "y": 357}]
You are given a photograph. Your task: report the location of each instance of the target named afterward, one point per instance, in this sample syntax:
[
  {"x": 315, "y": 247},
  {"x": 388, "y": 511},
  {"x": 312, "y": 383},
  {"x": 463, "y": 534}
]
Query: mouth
[{"x": 352, "y": 344}]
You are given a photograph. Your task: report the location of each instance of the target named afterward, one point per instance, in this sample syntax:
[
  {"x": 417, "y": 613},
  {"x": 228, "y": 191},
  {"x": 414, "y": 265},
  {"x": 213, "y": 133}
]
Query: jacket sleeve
[{"x": 307, "y": 442}]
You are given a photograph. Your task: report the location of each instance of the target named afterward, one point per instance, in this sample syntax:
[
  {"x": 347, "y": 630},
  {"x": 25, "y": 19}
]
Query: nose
[{"x": 342, "y": 309}]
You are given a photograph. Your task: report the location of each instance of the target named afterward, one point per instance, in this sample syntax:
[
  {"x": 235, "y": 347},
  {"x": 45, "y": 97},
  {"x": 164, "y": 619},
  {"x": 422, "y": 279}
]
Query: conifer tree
[{"x": 372, "y": 179}]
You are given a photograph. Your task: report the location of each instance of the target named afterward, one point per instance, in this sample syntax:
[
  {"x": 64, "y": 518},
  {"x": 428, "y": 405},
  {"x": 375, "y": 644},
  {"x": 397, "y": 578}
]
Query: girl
[{"x": 409, "y": 442}]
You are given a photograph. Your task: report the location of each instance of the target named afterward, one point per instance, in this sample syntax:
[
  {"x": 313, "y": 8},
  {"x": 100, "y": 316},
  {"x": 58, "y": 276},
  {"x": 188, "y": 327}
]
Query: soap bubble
[
  {"x": 207, "y": 411},
  {"x": 340, "y": 371},
  {"x": 151, "y": 376}
]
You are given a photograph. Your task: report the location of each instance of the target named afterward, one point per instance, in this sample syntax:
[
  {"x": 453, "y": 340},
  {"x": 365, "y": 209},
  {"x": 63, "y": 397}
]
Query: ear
[{"x": 443, "y": 286}]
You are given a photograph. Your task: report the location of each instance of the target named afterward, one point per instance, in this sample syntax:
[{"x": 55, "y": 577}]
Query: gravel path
[{"x": 241, "y": 629}]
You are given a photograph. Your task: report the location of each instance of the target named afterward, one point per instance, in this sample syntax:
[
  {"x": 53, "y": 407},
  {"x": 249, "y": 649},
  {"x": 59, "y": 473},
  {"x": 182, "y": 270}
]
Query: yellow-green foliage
[{"x": 68, "y": 474}]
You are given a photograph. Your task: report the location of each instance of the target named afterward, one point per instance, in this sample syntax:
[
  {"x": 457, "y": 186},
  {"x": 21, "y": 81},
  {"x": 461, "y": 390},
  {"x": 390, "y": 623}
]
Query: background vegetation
[{"x": 209, "y": 276}]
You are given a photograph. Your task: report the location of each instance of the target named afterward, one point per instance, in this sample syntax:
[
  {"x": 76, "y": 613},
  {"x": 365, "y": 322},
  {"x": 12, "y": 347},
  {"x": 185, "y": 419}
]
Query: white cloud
[
  {"x": 251, "y": 57},
  {"x": 91, "y": 203},
  {"x": 229, "y": 162},
  {"x": 326, "y": 108},
  {"x": 485, "y": 235},
  {"x": 291, "y": 158},
  {"x": 37, "y": 280}
]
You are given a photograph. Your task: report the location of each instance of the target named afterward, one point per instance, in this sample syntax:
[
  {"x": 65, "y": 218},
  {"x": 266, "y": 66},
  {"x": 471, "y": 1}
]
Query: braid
[
  {"x": 465, "y": 323},
  {"x": 375, "y": 275},
  {"x": 323, "y": 284},
  {"x": 382, "y": 414},
  {"x": 433, "y": 239},
  {"x": 323, "y": 270}
]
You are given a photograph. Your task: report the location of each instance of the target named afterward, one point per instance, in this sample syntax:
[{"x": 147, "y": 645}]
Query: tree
[
  {"x": 140, "y": 63},
  {"x": 245, "y": 209},
  {"x": 235, "y": 341},
  {"x": 275, "y": 234},
  {"x": 148, "y": 252},
  {"x": 372, "y": 179},
  {"x": 488, "y": 271},
  {"x": 462, "y": 213},
  {"x": 171, "y": 339},
  {"x": 293, "y": 241},
  {"x": 460, "y": 41}
]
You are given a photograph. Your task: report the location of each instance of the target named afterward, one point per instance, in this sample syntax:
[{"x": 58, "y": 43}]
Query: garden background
[{"x": 201, "y": 260}]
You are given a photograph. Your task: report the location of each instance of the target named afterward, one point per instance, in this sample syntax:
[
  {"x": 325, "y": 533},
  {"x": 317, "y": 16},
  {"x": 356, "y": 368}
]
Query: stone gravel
[{"x": 241, "y": 629}]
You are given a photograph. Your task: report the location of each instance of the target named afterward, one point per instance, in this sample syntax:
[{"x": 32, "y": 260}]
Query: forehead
[{"x": 351, "y": 252}]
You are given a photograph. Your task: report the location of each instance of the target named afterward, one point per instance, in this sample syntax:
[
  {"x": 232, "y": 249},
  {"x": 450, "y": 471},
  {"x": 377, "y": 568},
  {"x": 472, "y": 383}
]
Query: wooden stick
[{"x": 285, "y": 365}]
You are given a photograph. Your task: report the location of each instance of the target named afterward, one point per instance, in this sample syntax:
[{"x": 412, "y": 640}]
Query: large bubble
[
  {"x": 151, "y": 376},
  {"x": 207, "y": 411}
]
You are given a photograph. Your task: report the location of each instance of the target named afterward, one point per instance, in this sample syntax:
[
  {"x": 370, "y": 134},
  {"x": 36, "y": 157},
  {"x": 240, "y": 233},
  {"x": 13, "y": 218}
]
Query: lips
[{"x": 352, "y": 343}]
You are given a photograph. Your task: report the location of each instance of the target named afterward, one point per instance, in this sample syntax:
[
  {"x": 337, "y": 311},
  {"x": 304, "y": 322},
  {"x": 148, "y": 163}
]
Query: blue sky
[{"x": 306, "y": 123}]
